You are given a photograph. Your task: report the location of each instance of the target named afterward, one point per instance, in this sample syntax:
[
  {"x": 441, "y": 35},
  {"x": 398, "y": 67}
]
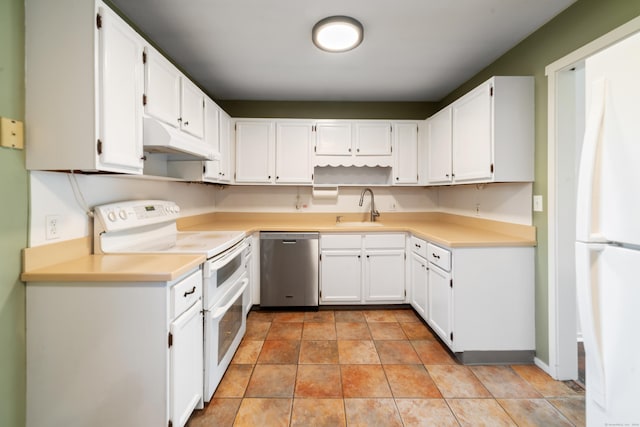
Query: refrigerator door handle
[
  {"x": 589, "y": 296},
  {"x": 587, "y": 220}
]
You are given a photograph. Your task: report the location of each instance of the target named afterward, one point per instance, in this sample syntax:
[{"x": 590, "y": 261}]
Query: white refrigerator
[{"x": 608, "y": 235}]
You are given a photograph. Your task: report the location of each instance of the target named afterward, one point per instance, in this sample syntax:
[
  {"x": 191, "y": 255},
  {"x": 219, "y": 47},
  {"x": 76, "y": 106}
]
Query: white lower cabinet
[
  {"x": 110, "y": 353},
  {"x": 357, "y": 268},
  {"x": 419, "y": 284},
  {"x": 440, "y": 303}
]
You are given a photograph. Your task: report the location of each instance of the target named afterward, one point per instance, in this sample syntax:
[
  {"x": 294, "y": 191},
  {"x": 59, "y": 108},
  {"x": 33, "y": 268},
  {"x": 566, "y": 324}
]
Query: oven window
[
  {"x": 229, "y": 269},
  {"x": 228, "y": 327}
]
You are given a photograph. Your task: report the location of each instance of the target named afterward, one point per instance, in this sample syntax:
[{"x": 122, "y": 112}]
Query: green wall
[
  {"x": 13, "y": 221},
  {"x": 578, "y": 25}
]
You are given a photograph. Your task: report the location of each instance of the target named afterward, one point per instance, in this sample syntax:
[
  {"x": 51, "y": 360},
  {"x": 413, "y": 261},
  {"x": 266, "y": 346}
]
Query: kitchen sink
[{"x": 358, "y": 224}]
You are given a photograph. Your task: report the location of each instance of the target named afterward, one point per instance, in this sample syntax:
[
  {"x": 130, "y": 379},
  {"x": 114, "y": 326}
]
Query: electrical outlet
[
  {"x": 477, "y": 208},
  {"x": 52, "y": 229},
  {"x": 392, "y": 206},
  {"x": 537, "y": 203}
]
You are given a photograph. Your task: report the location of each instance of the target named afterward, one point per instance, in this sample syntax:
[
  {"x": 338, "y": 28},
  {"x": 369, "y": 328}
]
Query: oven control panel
[{"x": 136, "y": 213}]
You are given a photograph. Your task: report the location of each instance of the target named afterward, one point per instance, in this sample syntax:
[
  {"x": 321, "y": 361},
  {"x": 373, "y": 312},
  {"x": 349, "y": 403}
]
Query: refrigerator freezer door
[
  {"x": 608, "y": 197},
  {"x": 608, "y": 294}
]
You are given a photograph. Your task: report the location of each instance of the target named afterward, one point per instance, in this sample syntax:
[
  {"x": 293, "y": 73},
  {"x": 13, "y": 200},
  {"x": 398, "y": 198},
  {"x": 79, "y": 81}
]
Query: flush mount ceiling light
[{"x": 337, "y": 34}]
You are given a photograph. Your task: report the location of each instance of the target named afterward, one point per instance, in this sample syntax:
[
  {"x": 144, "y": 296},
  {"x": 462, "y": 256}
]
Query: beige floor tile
[
  {"x": 387, "y": 331},
  {"x": 357, "y": 352},
  {"x": 542, "y": 382},
  {"x": 456, "y": 381},
  {"x": 425, "y": 413},
  {"x": 364, "y": 381},
  {"x": 264, "y": 412},
  {"x": 247, "y": 352},
  {"x": 417, "y": 331},
  {"x": 279, "y": 351},
  {"x": 234, "y": 382},
  {"x": 372, "y": 412},
  {"x": 353, "y": 331},
  {"x": 432, "y": 353},
  {"x": 318, "y": 381},
  {"x": 218, "y": 412},
  {"x": 373, "y": 316},
  {"x": 257, "y": 330},
  {"x": 318, "y": 352},
  {"x": 319, "y": 316},
  {"x": 411, "y": 381},
  {"x": 534, "y": 413},
  {"x": 319, "y": 331},
  {"x": 396, "y": 352},
  {"x": 571, "y": 407},
  {"x": 272, "y": 381},
  {"x": 349, "y": 316},
  {"x": 503, "y": 382},
  {"x": 407, "y": 315},
  {"x": 318, "y": 413},
  {"x": 285, "y": 331},
  {"x": 261, "y": 316},
  {"x": 479, "y": 413},
  {"x": 289, "y": 316}
]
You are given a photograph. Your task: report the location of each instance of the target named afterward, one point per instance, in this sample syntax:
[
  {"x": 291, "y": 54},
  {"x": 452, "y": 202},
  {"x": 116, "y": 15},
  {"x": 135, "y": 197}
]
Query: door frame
[{"x": 562, "y": 297}]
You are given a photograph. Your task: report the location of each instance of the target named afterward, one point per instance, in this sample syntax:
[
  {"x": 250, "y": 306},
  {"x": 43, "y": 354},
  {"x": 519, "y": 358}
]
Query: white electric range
[{"x": 149, "y": 226}]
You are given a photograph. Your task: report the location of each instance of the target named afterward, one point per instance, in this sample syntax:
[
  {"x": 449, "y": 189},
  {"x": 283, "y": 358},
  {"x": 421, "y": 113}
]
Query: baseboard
[{"x": 540, "y": 364}]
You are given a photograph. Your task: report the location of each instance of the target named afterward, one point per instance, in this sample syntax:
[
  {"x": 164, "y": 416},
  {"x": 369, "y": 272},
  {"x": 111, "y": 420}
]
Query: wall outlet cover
[
  {"x": 537, "y": 203},
  {"x": 11, "y": 133}
]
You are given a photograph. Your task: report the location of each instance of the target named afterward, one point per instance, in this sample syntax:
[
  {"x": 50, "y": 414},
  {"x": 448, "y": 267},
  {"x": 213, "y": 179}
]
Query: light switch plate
[
  {"x": 537, "y": 203},
  {"x": 11, "y": 133}
]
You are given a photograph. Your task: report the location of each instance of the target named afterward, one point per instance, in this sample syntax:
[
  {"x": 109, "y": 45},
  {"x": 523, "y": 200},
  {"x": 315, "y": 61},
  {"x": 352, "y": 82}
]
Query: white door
[
  {"x": 255, "y": 152},
  {"x": 120, "y": 85},
  {"x": 224, "y": 165},
  {"x": 419, "y": 284},
  {"x": 340, "y": 276},
  {"x": 384, "y": 275},
  {"x": 333, "y": 138},
  {"x": 373, "y": 138},
  {"x": 472, "y": 135},
  {"x": 161, "y": 88},
  {"x": 608, "y": 292},
  {"x": 405, "y": 146},
  {"x": 439, "y": 147},
  {"x": 294, "y": 141},
  {"x": 192, "y": 109},
  {"x": 440, "y": 303},
  {"x": 186, "y": 365}
]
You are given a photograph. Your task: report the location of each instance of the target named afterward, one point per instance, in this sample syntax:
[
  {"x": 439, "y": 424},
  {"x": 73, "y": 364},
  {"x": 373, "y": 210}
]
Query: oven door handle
[
  {"x": 211, "y": 266},
  {"x": 220, "y": 311}
]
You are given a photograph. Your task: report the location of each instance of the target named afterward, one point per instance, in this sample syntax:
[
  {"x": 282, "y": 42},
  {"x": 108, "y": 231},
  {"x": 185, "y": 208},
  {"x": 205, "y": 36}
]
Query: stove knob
[
  {"x": 177, "y": 209},
  {"x": 112, "y": 216},
  {"x": 123, "y": 214}
]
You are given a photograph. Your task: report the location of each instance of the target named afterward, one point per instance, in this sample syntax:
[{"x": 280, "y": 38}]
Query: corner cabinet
[
  {"x": 84, "y": 85},
  {"x": 485, "y": 136}
]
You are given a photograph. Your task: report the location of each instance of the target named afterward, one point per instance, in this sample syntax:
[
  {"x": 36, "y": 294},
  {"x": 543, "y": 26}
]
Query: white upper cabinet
[
  {"x": 162, "y": 88},
  {"x": 83, "y": 99},
  {"x": 294, "y": 142},
  {"x": 192, "y": 108},
  {"x": 333, "y": 138},
  {"x": 439, "y": 147},
  {"x": 373, "y": 138},
  {"x": 485, "y": 136},
  {"x": 255, "y": 142},
  {"x": 405, "y": 151},
  {"x": 225, "y": 165}
]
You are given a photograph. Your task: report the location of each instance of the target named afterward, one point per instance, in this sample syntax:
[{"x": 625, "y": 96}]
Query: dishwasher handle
[
  {"x": 289, "y": 241},
  {"x": 288, "y": 238}
]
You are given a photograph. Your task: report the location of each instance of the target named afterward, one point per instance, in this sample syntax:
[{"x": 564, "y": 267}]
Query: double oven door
[{"x": 225, "y": 282}]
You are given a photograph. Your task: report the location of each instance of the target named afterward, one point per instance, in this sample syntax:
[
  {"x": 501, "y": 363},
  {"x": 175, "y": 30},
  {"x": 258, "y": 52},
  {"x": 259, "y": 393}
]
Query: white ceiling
[{"x": 413, "y": 50}]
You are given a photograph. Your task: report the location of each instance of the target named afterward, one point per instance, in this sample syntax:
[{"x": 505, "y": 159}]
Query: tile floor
[{"x": 374, "y": 368}]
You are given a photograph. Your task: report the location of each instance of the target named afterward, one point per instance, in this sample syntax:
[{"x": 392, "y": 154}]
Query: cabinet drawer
[
  {"x": 186, "y": 293},
  {"x": 419, "y": 246},
  {"x": 340, "y": 241},
  {"x": 384, "y": 241},
  {"x": 438, "y": 256}
]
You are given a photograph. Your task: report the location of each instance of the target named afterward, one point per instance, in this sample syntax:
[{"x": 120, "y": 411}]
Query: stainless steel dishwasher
[{"x": 288, "y": 269}]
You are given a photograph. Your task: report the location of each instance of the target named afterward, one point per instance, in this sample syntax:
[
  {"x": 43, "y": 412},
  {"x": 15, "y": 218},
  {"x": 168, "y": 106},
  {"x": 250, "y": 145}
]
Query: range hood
[{"x": 159, "y": 137}]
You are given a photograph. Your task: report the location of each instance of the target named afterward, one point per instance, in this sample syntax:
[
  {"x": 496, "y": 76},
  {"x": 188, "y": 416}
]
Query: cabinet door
[
  {"x": 161, "y": 88},
  {"x": 440, "y": 303},
  {"x": 333, "y": 138},
  {"x": 186, "y": 365},
  {"x": 293, "y": 152},
  {"x": 373, "y": 138},
  {"x": 384, "y": 275},
  {"x": 472, "y": 135},
  {"x": 419, "y": 284},
  {"x": 340, "y": 276},
  {"x": 439, "y": 147},
  {"x": 192, "y": 109},
  {"x": 405, "y": 144},
  {"x": 120, "y": 90},
  {"x": 255, "y": 152},
  {"x": 223, "y": 166},
  {"x": 211, "y": 169}
]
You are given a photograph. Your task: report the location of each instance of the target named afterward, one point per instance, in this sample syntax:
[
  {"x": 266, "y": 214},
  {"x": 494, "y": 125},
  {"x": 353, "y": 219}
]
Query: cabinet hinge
[
  {"x": 144, "y": 57},
  {"x": 405, "y": 293},
  {"x": 451, "y": 283},
  {"x": 390, "y": 128},
  {"x": 234, "y": 176},
  {"x": 417, "y": 177},
  {"x": 204, "y": 168},
  {"x": 451, "y": 336},
  {"x": 170, "y": 339},
  {"x": 405, "y": 256},
  {"x": 320, "y": 257},
  {"x": 315, "y": 149},
  {"x": 320, "y": 293},
  {"x": 391, "y": 148},
  {"x": 311, "y": 177},
  {"x": 491, "y": 91},
  {"x": 491, "y": 167},
  {"x": 170, "y": 423},
  {"x": 99, "y": 147},
  {"x": 98, "y": 21},
  {"x": 235, "y": 127},
  {"x": 144, "y": 99}
]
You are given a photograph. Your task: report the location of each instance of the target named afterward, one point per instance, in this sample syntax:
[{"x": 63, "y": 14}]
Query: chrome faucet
[{"x": 374, "y": 212}]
